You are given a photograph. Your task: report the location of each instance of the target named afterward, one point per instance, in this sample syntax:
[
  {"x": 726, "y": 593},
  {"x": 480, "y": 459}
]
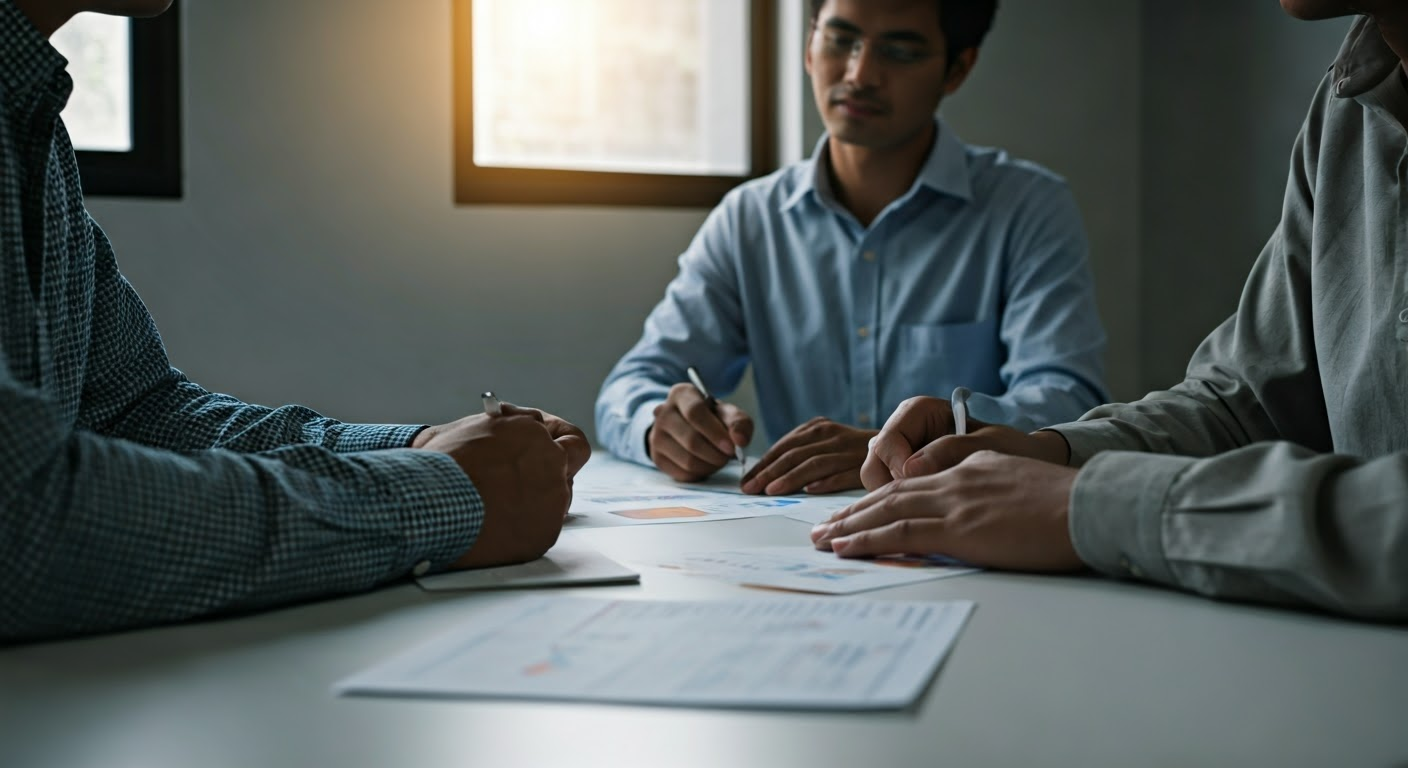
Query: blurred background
[{"x": 318, "y": 256}]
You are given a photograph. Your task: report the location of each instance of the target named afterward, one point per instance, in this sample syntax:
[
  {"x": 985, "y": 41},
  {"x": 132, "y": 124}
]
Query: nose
[{"x": 863, "y": 69}]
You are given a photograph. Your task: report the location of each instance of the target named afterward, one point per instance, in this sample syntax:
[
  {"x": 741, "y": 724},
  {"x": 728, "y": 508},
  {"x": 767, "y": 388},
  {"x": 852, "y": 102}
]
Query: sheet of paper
[
  {"x": 799, "y": 653},
  {"x": 562, "y": 566},
  {"x": 612, "y": 493},
  {"x": 814, "y": 515},
  {"x": 804, "y": 569}
]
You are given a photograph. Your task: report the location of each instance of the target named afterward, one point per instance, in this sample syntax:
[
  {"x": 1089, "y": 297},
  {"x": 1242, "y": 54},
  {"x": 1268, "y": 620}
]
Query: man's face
[{"x": 884, "y": 92}]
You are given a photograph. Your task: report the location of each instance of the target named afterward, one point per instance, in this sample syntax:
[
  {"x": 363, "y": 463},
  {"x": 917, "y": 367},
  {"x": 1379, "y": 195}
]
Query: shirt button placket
[{"x": 865, "y": 361}]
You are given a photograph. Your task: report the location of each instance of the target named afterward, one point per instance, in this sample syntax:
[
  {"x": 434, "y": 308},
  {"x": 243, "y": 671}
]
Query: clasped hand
[
  {"x": 522, "y": 463},
  {"x": 995, "y": 497}
]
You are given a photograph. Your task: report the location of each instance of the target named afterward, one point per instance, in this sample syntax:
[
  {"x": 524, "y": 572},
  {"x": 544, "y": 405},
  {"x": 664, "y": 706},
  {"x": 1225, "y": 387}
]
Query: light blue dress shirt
[{"x": 976, "y": 277}]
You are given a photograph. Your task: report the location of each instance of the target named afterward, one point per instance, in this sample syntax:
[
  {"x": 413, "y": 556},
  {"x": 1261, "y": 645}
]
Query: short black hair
[{"x": 965, "y": 22}]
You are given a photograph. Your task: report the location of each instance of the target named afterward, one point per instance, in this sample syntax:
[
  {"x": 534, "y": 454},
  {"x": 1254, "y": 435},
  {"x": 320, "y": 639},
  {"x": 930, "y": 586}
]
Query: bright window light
[
  {"x": 99, "y": 113},
  {"x": 634, "y": 86}
]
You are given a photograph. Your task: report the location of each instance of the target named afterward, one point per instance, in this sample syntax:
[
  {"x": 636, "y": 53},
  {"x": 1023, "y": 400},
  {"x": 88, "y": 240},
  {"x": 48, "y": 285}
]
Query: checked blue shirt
[{"x": 129, "y": 495}]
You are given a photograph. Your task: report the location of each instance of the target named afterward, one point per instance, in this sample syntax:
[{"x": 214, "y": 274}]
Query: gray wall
[
  {"x": 1227, "y": 84},
  {"x": 1070, "y": 101},
  {"x": 318, "y": 257}
]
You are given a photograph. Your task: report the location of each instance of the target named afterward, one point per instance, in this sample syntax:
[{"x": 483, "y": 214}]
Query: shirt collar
[
  {"x": 1364, "y": 61},
  {"x": 26, "y": 58},
  {"x": 945, "y": 170}
]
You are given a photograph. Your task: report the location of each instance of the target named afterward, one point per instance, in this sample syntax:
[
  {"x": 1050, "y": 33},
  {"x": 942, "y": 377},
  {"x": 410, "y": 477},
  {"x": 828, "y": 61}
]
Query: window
[
  {"x": 622, "y": 102},
  {"x": 124, "y": 116}
]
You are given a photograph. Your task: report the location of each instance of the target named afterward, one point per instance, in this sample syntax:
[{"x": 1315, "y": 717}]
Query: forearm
[
  {"x": 1197, "y": 418},
  {"x": 105, "y": 534},
  {"x": 1039, "y": 402},
  {"x": 177, "y": 414},
  {"x": 1272, "y": 523}
]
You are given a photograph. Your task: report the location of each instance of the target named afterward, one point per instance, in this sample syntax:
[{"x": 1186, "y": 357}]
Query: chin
[
  {"x": 1314, "y": 10},
  {"x": 138, "y": 8}
]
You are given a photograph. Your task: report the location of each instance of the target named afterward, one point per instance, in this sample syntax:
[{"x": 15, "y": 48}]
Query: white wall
[{"x": 318, "y": 256}]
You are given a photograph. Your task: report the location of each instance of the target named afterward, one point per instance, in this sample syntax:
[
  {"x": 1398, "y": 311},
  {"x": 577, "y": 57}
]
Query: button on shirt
[
  {"x": 976, "y": 277},
  {"x": 130, "y": 496}
]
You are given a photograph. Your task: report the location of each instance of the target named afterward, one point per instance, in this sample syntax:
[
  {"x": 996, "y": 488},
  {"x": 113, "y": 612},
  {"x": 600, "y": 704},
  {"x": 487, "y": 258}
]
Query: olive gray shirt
[{"x": 1283, "y": 467}]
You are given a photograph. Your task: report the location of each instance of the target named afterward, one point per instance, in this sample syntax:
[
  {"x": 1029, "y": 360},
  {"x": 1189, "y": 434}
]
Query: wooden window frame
[
  {"x": 152, "y": 168},
  {"x": 476, "y": 184}
]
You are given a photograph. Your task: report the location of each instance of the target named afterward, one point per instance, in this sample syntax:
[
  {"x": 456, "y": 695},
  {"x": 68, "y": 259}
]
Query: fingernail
[
  {"x": 726, "y": 447},
  {"x": 839, "y": 544}
]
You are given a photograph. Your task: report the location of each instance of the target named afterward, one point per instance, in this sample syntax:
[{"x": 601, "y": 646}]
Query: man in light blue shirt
[{"x": 896, "y": 261}]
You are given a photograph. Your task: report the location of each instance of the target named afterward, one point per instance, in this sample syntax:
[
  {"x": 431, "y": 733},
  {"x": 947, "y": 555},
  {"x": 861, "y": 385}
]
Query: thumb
[{"x": 944, "y": 453}]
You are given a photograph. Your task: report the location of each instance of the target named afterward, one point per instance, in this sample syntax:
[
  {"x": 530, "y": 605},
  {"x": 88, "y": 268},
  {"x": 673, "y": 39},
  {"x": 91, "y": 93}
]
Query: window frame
[
  {"x": 475, "y": 184},
  {"x": 152, "y": 168}
]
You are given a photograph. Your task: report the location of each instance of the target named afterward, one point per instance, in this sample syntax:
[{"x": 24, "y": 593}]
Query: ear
[{"x": 960, "y": 70}]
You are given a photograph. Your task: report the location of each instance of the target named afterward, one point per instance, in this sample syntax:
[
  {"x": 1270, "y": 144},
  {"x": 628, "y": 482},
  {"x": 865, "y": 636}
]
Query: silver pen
[
  {"x": 959, "y": 404},
  {"x": 492, "y": 406}
]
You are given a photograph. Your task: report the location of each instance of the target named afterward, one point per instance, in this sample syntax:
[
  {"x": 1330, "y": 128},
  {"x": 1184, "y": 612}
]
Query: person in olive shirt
[{"x": 1277, "y": 471}]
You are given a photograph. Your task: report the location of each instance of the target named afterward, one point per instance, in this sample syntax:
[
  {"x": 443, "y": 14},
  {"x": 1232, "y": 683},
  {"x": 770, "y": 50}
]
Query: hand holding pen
[
  {"x": 926, "y": 435},
  {"x": 695, "y": 435},
  {"x": 521, "y": 462}
]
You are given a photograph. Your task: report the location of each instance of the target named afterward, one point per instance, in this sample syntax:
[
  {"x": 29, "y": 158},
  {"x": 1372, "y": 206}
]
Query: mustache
[{"x": 864, "y": 97}]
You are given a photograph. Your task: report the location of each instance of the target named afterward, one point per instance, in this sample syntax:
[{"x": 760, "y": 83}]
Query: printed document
[
  {"x": 799, "y": 653},
  {"x": 611, "y": 492},
  {"x": 805, "y": 569}
]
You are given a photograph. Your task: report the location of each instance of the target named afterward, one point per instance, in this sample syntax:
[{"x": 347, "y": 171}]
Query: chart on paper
[{"x": 610, "y": 492}]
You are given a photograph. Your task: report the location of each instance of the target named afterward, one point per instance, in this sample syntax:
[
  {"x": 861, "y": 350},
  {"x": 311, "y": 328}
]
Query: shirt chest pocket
[{"x": 937, "y": 358}]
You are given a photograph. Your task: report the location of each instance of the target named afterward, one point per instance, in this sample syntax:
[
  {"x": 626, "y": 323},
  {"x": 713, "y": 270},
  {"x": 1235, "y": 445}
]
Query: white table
[{"x": 1073, "y": 671}]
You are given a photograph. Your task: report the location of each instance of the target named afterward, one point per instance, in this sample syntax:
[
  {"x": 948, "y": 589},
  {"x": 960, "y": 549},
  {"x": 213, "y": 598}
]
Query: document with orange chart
[
  {"x": 804, "y": 569},
  {"x": 611, "y": 492},
  {"x": 798, "y": 653}
]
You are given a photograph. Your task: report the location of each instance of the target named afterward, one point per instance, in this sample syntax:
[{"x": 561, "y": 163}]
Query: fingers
[
  {"x": 945, "y": 452},
  {"x": 903, "y": 503},
  {"x": 578, "y": 451},
  {"x": 845, "y": 480},
  {"x": 873, "y": 471},
  {"x": 701, "y": 419},
  {"x": 801, "y": 468},
  {"x": 509, "y": 409},
  {"x": 917, "y": 421},
  {"x": 678, "y": 461},
  {"x": 888, "y": 453},
  {"x": 766, "y": 470},
  {"x": 738, "y": 423},
  {"x": 571, "y": 439},
  {"x": 904, "y": 536}
]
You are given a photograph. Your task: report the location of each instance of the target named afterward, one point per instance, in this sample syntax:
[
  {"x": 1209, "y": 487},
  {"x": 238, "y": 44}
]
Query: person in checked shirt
[{"x": 130, "y": 496}]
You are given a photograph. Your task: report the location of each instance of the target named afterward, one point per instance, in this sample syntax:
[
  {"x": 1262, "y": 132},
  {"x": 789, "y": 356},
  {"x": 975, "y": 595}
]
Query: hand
[
  {"x": 918, "y": 440},
  {"x": 991, "y": 510},
  {"x": 820, "y": 456},
  {"x": 688, "y": 441},
  {"x": 522, "y": 463}
]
